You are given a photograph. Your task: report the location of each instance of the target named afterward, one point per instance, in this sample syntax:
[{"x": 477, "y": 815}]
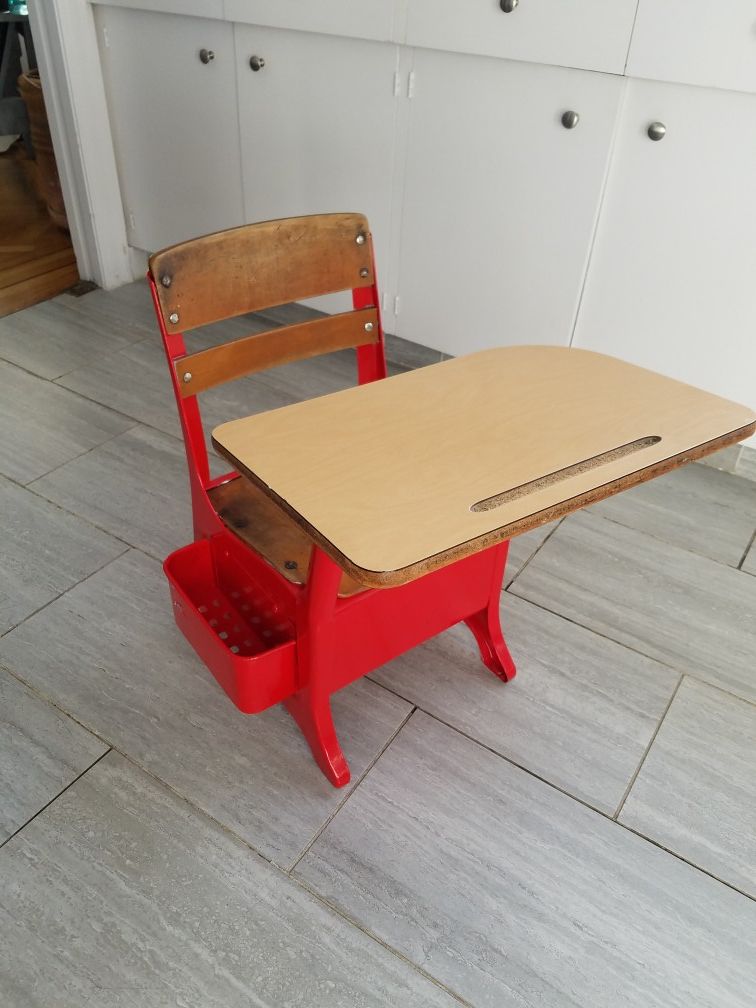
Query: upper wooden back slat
[
  {"x": 261, "y": 265},
  {"x": 203, "y": 370}
]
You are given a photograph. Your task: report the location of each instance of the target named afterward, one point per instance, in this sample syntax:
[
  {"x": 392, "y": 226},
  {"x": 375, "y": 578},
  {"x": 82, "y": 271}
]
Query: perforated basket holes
[{"x": 246, "y": 620}]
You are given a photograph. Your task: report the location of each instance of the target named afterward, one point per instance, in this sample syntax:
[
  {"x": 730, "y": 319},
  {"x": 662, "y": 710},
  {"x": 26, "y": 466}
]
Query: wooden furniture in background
[
  {"x": 30, "y": 88},
  {"x": 37, "y": 259}
]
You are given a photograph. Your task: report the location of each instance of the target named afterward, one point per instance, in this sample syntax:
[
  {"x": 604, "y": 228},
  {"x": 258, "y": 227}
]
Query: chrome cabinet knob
[
  {"x": 508, "y": 5},
  {"x": 256, "y": 63},
  {"x": 206, "y": 55},
  {"x": 657, "y": 131},
  {"x": 570, "y": 120}
]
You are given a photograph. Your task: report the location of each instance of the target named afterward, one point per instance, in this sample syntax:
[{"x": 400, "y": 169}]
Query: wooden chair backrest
[{"x": 259, "y": 266}]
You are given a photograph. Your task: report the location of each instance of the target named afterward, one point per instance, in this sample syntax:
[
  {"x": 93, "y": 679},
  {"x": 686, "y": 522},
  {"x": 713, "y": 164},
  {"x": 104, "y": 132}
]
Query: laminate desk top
[{"x": 404, "y": 475}]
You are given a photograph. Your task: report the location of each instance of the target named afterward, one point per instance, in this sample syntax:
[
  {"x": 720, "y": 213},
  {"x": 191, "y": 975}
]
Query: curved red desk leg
[
  {"x": 486, "y": 624},
  {"x": 310, "y": 706}
]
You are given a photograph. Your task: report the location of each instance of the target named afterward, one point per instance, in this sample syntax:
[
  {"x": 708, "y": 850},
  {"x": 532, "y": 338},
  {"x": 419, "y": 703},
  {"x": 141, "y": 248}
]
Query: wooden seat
[{"x": 261, "y": 524}]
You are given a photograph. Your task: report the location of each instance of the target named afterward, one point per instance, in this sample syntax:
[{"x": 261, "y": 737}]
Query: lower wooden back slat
[{"x": 203, "y": 370}]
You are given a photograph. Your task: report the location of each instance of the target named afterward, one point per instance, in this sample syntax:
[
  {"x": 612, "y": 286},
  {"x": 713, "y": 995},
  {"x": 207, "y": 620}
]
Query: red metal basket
[{"x": 233, "y": 624}]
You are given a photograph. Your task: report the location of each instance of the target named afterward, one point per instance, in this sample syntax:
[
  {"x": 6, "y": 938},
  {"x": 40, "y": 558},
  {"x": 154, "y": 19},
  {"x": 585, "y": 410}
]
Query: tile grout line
[
  {"x": 634, "y": 650},
  {"x": 253, "y": 850},
  {"x": 54, "y": 381},
  {"x": 52, "y": 800},
  {"x": 153, "y": 556},
  {"x": 535, "y": 552},
  {"x": 572, "y": 797},
  {"x": 113, "y": 747},
  {"x": 72, "y": 514},
  {"x": 52, "y": 702},
  {"x": 357, "y": 783},
  {"x": 32, "y": 489},
  {"x": 88, "y": 521},
  {"x": 416, "y": 707},
  {"x": 128, "y": 416},
  {"x": 137, "y": 421},
  {"x": 604, "y": 815},
  {"x": 334, "y": 908},
  {"x": 720, "y": 689},
  {"x": 658, "y": 538},
  {"x": 691, "y": 864},
  {"x": 296, "y": 879},
  {"x": 94, "y": 402},
  {"x": 633, "y": 779},
  {"x": 507, "y": 759},
  {"x": 631, "y": 528},
  {"x": 751, "y": 543},
  {"x": 36, "y": 612},
  {"x": 83, "y": 454},
  {"x": 98, "y": 360},
  {"x": 227, "y": 829},
  {"x": 574, "y": 622},
  {"x": 12, "y": 479}
]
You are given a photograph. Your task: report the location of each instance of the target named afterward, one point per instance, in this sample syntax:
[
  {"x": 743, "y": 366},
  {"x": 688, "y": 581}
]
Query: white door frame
[{"x": 65, "y": 42}]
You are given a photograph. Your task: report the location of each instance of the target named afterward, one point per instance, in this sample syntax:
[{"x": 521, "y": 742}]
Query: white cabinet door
[
  {"x": 672, "y": 280},
  {"x": 318, "y": 127},
  {"x": 696, "y": 42},
  {"x": 590, "y": 34},
  {"x": 174, "y": 122},
  {"x": 500, "y": 200}
]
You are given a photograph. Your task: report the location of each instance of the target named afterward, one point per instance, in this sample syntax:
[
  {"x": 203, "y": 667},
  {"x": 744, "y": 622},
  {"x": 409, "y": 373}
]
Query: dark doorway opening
[{"x": 36, "y": 256}]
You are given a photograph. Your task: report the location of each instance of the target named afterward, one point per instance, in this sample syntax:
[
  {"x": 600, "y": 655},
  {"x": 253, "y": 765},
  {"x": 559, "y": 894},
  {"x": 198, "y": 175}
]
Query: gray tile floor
[{"x": 583, "y": 836}]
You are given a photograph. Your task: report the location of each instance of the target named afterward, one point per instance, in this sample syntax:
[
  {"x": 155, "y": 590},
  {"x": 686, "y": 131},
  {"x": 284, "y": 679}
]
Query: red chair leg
[
  {"x": 312, "y": 712},
  {"x": 486, "y": 625},
  {"x": 310, "y": 706},
  {"x": 493, "y": 649}
]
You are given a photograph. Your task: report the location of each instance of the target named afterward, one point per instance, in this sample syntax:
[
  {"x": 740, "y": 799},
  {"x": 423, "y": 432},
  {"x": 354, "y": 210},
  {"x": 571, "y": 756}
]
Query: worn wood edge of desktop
[{"x": 394, "y": 578}]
